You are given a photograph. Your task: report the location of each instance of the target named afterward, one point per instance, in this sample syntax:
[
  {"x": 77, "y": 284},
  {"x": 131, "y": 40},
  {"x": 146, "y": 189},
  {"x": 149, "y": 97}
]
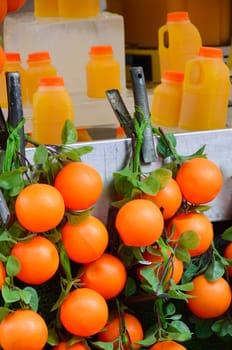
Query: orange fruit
[
  {"x": 192, "y": 221},
  {"x": 23, "y": 330},
  {"x": 133, "y": 327},
  {"x": 76, "y": 346},
  {"x": 14, "y": 5},
  {"x": 2, "y": 58},
  {"x": 175, "y": 271},
  {"x": 167, "y": 345},
  {"x": 107, "y": 275},
  {"x": 3, "y": 9},
  {"x": 168, "y": 199},
  {"x": 211, "y": 299},
  {"x": 85, "y": 241},
  {"x": 91, "y": 316},
  {"x": 39, "y": 260},
  {"x": 228, "y": 255},
  {"x": 2, "y": 274},
  {"x": 80, "y": 185},
  {"x": 139, "y": 222},
  {"x": 200, "y": 180},
  {"x": 39, "y": 207}
]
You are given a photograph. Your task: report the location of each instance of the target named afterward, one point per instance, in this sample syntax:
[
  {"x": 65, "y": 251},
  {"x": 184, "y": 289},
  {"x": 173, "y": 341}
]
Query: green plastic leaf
[
  {"x": 227, "y": 234},
  {"x": 10, "y": 179},
  {"x": 65, "y": 262},
  {"x": 162, "y": 147},
  {"x": 29, "y": 296},
  {"x": 179, "y": 331},
  {"x": 222, "y": 327},
  {"x": 103, "y": 345},
  {"x": 189, "y": 239},
  {"x": 163, "y": 175},
  {"x": 40, "y": 155},
  {"x": 13, "y": 266},
  {"x": 170, "y": 309},
  {"x": 130, "y": 287},
  {"x": 183, "y": 254},
  {"x": 78, "y": 217},
  {"x": 10, "y": 295},
  {"x": 4, "y": 311},
  {"x": 214, "y": 271},
  {"x": 69, "y": 133}
]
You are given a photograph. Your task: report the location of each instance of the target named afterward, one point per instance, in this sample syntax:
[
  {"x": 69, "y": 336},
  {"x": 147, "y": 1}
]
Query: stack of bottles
[{"x": 195, "y": 86}]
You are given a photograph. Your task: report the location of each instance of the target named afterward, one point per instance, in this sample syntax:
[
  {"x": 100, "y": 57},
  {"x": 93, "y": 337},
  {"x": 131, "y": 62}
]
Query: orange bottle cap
[
  {"x": 51, "y": 81},
  {"x": 13, "y": 56},
  {"x": 38, "y": 56},
  {"x": 177, "y": 16},
  {"x": 101, "y": 50},
  {"x": 213, "y": 52},
  {"x": 173, "y": 75}
]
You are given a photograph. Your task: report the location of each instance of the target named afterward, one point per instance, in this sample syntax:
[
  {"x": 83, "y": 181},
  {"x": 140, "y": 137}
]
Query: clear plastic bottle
[
  {"x": 46, "y": 8},
  {"x": 206, "y": 91},
  {"x": 78, "y": 8},
  {"x": 167, "y": 98},
  {"x": 12, "y": 64},
  {"x": 102, "y": 72},
  {"x": 39, "y": 65},
  {"x": 52, "y": 106},
  {"x": 179, "y": 41}
]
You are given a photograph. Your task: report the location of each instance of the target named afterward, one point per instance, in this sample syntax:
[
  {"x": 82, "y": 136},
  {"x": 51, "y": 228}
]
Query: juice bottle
[
  {"x": 52, "y": 106},
  {"x": 167, "y": 98},
  {"x": 12, "y": 64},
  {"x": 102, "y": 72},
  {"x": 45, "y": 8},
  {"x": 179, "y": 41},
  {"x": 206, "y": 90},
  {"x": 78, "y": 8},
  {"x": 39, "y": 65}
]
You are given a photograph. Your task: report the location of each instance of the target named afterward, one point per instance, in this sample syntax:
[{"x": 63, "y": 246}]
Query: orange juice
[
  {"x": 12, "y": 64},
  {"x": 206, "y": 91},
  {"x": 179, "y": 41},
  {"x": 167, "y": 98},
  {"x": 52, "y": 106},
  {"x": 46, "y": 8},
  {"x": 39, "y": 65},
  {"x": 78, "y": 8},
  {"x": 102, "y": 72}
]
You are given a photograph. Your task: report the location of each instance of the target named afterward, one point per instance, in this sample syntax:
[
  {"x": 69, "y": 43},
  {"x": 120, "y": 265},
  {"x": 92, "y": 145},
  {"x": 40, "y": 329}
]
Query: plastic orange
[
  {"x": 38, "y": 258},
  {"x": 139, "y": 222},
  {"x": 23, "y": 330},
  {"x": 80, "y": 185},
  {"x": 133, "y": 326},
  {"x": 107, "y": 275},
  {"x": 3, "y": 9},
  {"x": 76, "y": 346},
  {"x": 91, "y": 316},
  {"x": 2, "y": 274},
  {"x": 39, "y": 207},
  {"x": 200, "y": 180},
  {"x": 192, "y": 221},
  {"x": 2, "y": 58},
  {"x": 167, "y": 345},
  {"x": 14, "y": 5},
  {"x": 175, "y": 271},
  {"x": 85, "y": 241},
  {"x": 228, "y": 255},
  {"x": 212, "y": 299},
  {"x": 168, "y": 199}
]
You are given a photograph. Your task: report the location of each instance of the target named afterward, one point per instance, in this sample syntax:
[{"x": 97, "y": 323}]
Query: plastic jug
[
  {"x": 45, "y": 8},
  {"x": 12, "y": 64},
  {"x": 39, "y": 65},
  {"x": 206, "y": 90},
  {"x": 179, "y": 41},
  {"x": 52, "y": 106},
  {"x": 102, "y": 72},
  {"x": 78, "y": 8},
  {"x": 167, "y": 98}
]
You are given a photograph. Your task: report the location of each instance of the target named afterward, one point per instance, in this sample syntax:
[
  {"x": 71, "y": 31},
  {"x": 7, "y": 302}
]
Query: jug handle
[{"x": 163, "y": 36}]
